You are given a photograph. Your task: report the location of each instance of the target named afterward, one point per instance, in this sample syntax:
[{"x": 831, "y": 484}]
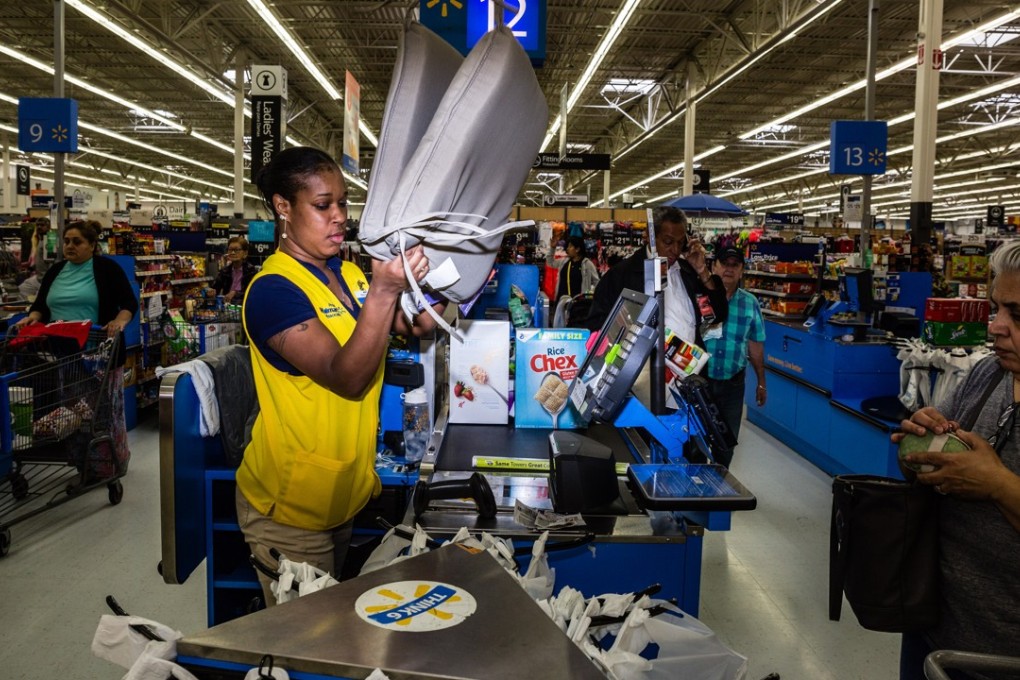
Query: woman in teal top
[{"x": 85, "y": 286}]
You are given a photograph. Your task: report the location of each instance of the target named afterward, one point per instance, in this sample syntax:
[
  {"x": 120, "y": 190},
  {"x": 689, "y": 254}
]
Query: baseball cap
[{"x": 729, "y": 254}]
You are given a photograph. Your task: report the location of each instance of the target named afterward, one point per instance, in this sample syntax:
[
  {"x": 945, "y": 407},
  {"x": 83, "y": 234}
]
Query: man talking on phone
[{"x": 691, "y": 283}]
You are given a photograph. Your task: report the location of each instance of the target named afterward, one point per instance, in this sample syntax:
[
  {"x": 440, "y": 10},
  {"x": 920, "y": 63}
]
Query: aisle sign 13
[
  {"x": 47, "y": 124},
  {"x": 858, "y": 147}
]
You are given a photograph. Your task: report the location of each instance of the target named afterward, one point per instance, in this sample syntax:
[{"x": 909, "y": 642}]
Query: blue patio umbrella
[{"x": 706, "y": 204}]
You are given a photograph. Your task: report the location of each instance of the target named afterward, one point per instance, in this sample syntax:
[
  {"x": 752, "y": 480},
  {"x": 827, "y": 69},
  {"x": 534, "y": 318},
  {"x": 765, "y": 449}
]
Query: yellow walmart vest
[{"x": 311, "y": 461}]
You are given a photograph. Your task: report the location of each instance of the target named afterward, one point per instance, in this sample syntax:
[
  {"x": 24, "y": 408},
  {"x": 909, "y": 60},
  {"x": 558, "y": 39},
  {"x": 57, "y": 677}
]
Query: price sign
[
  {"x": 858, "y": 147},
  {"x": 47, "y": 124}
]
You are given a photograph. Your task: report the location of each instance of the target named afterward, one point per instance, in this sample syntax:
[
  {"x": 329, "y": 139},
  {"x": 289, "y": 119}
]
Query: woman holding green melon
[{"x": 979, "y": 511}]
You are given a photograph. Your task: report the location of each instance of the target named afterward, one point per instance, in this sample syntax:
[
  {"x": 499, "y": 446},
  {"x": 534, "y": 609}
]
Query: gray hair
[
  {"x": 1005, "y": 259},
  {"x": 665, "y": 213}
]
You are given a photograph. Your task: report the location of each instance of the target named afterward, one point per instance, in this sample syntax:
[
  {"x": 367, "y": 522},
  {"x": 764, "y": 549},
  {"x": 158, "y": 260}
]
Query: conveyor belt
[{"x": 462, "y": 442}]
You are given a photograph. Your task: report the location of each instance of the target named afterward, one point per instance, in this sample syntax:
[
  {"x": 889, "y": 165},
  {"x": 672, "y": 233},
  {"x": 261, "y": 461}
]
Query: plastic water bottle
[{"x": 416, "y": 424}]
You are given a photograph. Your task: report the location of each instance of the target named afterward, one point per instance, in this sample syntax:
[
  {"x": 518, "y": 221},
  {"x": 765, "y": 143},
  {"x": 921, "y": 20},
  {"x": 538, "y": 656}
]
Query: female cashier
[{"x": 318, "y": 341}]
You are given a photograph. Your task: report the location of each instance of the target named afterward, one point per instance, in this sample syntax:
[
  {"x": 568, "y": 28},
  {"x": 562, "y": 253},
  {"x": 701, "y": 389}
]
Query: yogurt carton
[{"x": 547, "y": 360}]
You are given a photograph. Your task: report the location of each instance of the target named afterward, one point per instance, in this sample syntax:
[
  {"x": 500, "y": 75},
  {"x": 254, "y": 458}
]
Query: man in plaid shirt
[{"x": 734, "y": 343}]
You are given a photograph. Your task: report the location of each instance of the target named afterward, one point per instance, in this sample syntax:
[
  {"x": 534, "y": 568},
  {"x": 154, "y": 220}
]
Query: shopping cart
[
  {"x": 57, "y": 384},
  {"x": 938, "y": 662}
]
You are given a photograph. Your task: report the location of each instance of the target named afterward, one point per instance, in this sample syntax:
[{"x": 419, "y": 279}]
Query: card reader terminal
[{"x": 615, "y": 362}]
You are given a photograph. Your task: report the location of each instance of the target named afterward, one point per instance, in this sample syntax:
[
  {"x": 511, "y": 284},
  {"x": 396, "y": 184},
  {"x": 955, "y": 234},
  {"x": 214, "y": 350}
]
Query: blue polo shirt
[{"x": 274, "y": 304}]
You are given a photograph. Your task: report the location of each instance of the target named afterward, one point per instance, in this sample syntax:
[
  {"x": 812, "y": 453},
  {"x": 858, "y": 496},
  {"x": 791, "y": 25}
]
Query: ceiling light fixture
[
  {"x": 287, "y": 38},
  {"x": 774, "y": 42},
  {"x": 883, "y": 74},
  {"x": 700, "y": 157},
  {"x": 621, "y": 20},
  {"x": 150, "y": 51}
]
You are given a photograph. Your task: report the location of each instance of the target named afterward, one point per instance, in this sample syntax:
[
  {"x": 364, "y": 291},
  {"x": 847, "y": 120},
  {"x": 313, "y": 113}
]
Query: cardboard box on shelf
[
  {"x": 956, "y": 310},
  {"x": 480, "y": 373},
  {"x": 789, "y": 306},
  {"x": 963, "y": 334},
  {"x": 547, "y": 360}
]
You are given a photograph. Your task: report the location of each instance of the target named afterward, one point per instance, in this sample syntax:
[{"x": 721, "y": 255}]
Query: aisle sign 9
[
  {"x": 47, "y": 124},
  {"x": 858, "y": 147}
]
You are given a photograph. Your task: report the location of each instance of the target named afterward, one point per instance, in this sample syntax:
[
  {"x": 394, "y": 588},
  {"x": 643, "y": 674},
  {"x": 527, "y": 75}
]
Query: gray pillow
[
  {"x": 473, "y": 160},
  {"x": 425, "y": 66}
]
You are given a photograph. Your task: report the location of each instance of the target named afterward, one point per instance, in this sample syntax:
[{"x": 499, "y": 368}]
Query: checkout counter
[
  {"x": 833, "y": 379},
  {"x": 623, "y": 546}
]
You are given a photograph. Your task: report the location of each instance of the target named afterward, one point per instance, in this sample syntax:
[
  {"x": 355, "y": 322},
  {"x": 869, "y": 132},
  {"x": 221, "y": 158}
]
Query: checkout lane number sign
[{"x": 415, "y": 606}]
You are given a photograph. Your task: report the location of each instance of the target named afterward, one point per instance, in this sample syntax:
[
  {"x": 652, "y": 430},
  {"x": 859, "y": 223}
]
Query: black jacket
[
  {"x": 631, "y": 274},
  {"x": 225, "y": 277}
]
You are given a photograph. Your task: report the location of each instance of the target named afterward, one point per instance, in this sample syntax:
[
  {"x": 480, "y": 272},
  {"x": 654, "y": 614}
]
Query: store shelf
[
  {"x": 197, "y": 279},
  {"x": 776, "y": 293},
  {"x": 784, "y": 317},
  {"x": 152, "y": 293},
  {"x": 155, "y": 272},
  {"x": 777, "y": 275},
  {"x": 153, "y": 258}
]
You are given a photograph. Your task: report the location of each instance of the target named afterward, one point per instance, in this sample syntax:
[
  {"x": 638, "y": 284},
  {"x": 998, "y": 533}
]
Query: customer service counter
[{"x": 830, "y": 400}]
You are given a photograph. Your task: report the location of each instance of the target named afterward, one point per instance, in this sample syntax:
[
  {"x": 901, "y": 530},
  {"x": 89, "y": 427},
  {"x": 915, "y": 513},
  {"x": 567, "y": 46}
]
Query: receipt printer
[{"x": 582, "y": 473}]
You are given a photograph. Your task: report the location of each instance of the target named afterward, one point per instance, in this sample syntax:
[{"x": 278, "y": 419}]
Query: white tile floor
[{"x": 764, "y": 584}]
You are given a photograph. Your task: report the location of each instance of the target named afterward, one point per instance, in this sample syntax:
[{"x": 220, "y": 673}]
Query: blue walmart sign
[{"x": 462, "y": 23}]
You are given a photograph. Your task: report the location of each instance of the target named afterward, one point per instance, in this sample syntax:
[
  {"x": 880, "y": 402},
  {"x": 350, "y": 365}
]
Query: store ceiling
[{"x": 633, "y": 107}]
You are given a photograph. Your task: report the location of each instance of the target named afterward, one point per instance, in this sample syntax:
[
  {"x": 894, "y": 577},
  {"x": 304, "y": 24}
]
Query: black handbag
[
  {"x": 884, "y": 547},
  {"x": 883, "y": 553}
]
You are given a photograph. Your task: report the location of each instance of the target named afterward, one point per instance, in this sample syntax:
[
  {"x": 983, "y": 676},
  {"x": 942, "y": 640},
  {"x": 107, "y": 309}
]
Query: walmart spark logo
[
  {"x": 59, "y": 133},
  {"x": 415, "y": 606},
  {"x": 442, "y": 9},
  {"x": 876, "y": 157}
]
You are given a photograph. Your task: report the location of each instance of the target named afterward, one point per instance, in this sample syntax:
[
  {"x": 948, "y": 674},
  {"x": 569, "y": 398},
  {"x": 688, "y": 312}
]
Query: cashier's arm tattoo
[{"x": 279, "y": 341}]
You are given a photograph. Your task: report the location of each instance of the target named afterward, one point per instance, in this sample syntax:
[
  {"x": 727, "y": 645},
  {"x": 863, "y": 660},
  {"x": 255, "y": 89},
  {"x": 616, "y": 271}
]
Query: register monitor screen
[
  {"x": 615, "y": 361},
  {"x": 858, "y": 289}
]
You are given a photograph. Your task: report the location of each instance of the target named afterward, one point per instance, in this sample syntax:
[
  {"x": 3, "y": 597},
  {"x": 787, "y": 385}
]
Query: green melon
[{"x": 911, "y": 443}]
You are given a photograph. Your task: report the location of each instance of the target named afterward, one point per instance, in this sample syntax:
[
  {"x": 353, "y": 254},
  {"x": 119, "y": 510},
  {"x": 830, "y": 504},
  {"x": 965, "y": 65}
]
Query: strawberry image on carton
[
  {"x": 547, "y": 361},
  {"x": 480, "y": 373}
]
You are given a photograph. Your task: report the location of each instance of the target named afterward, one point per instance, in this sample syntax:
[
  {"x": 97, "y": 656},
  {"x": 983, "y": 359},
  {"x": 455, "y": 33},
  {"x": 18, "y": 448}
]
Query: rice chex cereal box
[{"x": 547, "y": 359}]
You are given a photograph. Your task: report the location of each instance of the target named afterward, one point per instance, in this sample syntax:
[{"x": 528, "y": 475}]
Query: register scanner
[
  {"x": 852, "y": 313},
  {"x": 602, "y": 392}
]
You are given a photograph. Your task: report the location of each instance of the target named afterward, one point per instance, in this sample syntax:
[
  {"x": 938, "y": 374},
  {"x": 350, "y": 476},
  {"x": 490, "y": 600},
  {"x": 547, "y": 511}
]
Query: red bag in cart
[{"x": 73, "y": 330}]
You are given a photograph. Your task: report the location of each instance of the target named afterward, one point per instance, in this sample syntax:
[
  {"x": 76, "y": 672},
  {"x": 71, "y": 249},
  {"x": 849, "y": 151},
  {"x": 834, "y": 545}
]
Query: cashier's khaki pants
[{"x": 325, "y": 550}]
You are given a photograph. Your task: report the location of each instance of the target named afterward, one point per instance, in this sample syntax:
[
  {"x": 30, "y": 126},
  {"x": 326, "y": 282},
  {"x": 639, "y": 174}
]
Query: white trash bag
[{"x": 687, "y": 647}]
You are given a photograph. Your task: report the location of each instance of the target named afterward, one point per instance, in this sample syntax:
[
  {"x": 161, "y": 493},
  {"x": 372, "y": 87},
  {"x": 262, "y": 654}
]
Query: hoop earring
[{"x": 283, "y": 232}]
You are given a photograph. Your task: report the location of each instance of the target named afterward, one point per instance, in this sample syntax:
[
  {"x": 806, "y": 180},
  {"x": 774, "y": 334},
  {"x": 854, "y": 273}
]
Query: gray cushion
[
  {"x": 473, "y": 159},
  {"x": 425, "y": 66}
]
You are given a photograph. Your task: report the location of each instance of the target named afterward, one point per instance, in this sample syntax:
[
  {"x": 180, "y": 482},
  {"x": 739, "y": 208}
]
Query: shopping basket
[{"x": 59, "y": 384}]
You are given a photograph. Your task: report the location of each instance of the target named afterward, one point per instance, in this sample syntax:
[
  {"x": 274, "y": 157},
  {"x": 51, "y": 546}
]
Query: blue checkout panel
[
  {"x": 198, "y": 513},
  {"x": 199, "y": 523},
  {"x": 816, "y": 387}
]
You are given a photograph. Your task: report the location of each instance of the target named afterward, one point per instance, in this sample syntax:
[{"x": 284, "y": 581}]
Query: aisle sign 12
[
  {"x": 858, "y": 147},
  {"x": 462, "y": 23},
  {"x": 47, "y": 124},
  {"x": 527, "y": 23}
]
